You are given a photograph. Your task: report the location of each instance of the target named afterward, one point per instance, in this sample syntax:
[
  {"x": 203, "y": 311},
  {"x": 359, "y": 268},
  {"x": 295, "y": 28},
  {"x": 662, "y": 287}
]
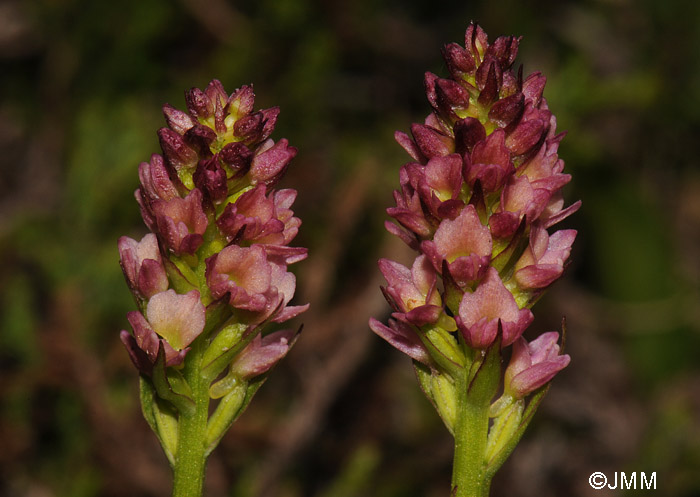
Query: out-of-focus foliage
[{"x": 82, "y": 85}]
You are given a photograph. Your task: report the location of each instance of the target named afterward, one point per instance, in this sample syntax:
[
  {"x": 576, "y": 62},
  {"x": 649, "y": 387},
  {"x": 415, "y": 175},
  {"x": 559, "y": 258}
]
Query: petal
[
  {"x": 179, "y": 319},
  {"x": 402, "y": 337}
]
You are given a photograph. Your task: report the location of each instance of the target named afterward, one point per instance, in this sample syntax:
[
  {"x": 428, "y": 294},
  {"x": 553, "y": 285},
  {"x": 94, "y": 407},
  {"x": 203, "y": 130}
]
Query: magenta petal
[
  {"x": 262, "y": 353},
  {"x": 402, "y": 337},
  {"x": 142, "y": 265},
  {"x": 138, "y": 356},
  {"x": 533, "y": 365},
  {"x": 462, "y": 241},
  {"x": 422, "y": 315},
  {"x": 539, "y": 374},
  {"x": 269, "y": 165},
  {"x": 543, "y": 261},
  {"x": 182, "y": 222}
]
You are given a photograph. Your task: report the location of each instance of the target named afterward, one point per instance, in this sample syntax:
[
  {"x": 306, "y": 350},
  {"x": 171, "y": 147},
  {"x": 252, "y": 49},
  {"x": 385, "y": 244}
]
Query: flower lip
[{"x": 481, "y": 311}]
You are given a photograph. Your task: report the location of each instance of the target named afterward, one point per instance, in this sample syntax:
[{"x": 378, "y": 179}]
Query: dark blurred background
[{"x": 82, "y": 84}]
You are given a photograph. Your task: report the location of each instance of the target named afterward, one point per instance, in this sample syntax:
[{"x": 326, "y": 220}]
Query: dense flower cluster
[
  {"x": 476, "y": 204},
  {"x": 219, "y": 248}
]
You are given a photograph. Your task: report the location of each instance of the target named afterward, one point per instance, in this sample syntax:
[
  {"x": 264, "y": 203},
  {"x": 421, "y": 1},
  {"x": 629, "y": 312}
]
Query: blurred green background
[{"x": 82, "y": 83}]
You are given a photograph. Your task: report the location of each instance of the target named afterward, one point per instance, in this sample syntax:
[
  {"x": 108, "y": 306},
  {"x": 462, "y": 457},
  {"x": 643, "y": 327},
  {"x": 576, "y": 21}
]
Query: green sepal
[
  {"x": 443, "y": 348},
  {"x": 147, "y": 395},
  {"x": 427, "y": 383},
  {"x": 500, "y": 457},
  {"x": 181, "y": 277},
  {"x": 224, "y": 347},
  {"x": 445, "y": 396},
  {"x": 160, "y": 417},
  {"x": 230, "y": 407},
  {"x": 504, "y": 427},
  {"x": 178, "y": 392},
  {"x": 224, "y": 386},
  {"x": 167, "y": 421},
  {"x": 228, "y": 343}
]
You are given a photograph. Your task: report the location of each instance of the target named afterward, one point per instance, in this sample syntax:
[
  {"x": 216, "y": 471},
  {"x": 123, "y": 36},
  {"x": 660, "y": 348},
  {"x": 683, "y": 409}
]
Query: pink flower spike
[
  {"x": 402, "y": 337},
  {"x": 262, "y": 353},
  {"x": 543, "y": 261},
  {"x": 480, "y": 312},
  {"x": 179, "y": 319},
  {"x": 533, "y": 365},
  {"x": 464, "y": 243},
  {"x": 142, "y": 265}
]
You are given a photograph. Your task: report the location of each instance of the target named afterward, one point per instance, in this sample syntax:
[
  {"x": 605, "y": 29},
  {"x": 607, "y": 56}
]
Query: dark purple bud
[
  {"x": 489, "y": 79},
  {"x": 241, "y": 102},
  {"x": 533, "y": 87},
  {"x": 507, "y": 110},
  {"x": 177, "y": 120},
  {"x": 504, "y": 49},
  {"x": 468, "y": 132},
  {"x": 446, "y": 96},
  {"x": 476, "y": 42},
  {"x": 409, "y": 146},
  {"x": 199, "y": 104},
  {"x": 155, "y": 180},
  {"x": 269, "y": 121},
  {"x": 236, "y": 156},
  {"x": 215, "y": 93},
  {"x": 525, "y": 136},
  {"x": 431, "y": 142},
  {"x": 177, "y": 153},
  {"x": 210, "y": 178},
  {"x": 458, "y": 60},
  {"x": 249, "y": 127},
  {"x": 199, "y": 138}
]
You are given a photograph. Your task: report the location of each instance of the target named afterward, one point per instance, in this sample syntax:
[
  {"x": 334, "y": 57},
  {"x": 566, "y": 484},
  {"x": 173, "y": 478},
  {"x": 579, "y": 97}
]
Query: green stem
[
  {"x": 190, "y": 459},
  {"x": 471, "y": 431},
  {"x": 476, "y": 388}
]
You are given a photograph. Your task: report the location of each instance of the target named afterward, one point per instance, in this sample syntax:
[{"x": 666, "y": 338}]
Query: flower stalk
[
  {"x": 476, "y": 204},
  {"x": 212, "y": 274}
]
